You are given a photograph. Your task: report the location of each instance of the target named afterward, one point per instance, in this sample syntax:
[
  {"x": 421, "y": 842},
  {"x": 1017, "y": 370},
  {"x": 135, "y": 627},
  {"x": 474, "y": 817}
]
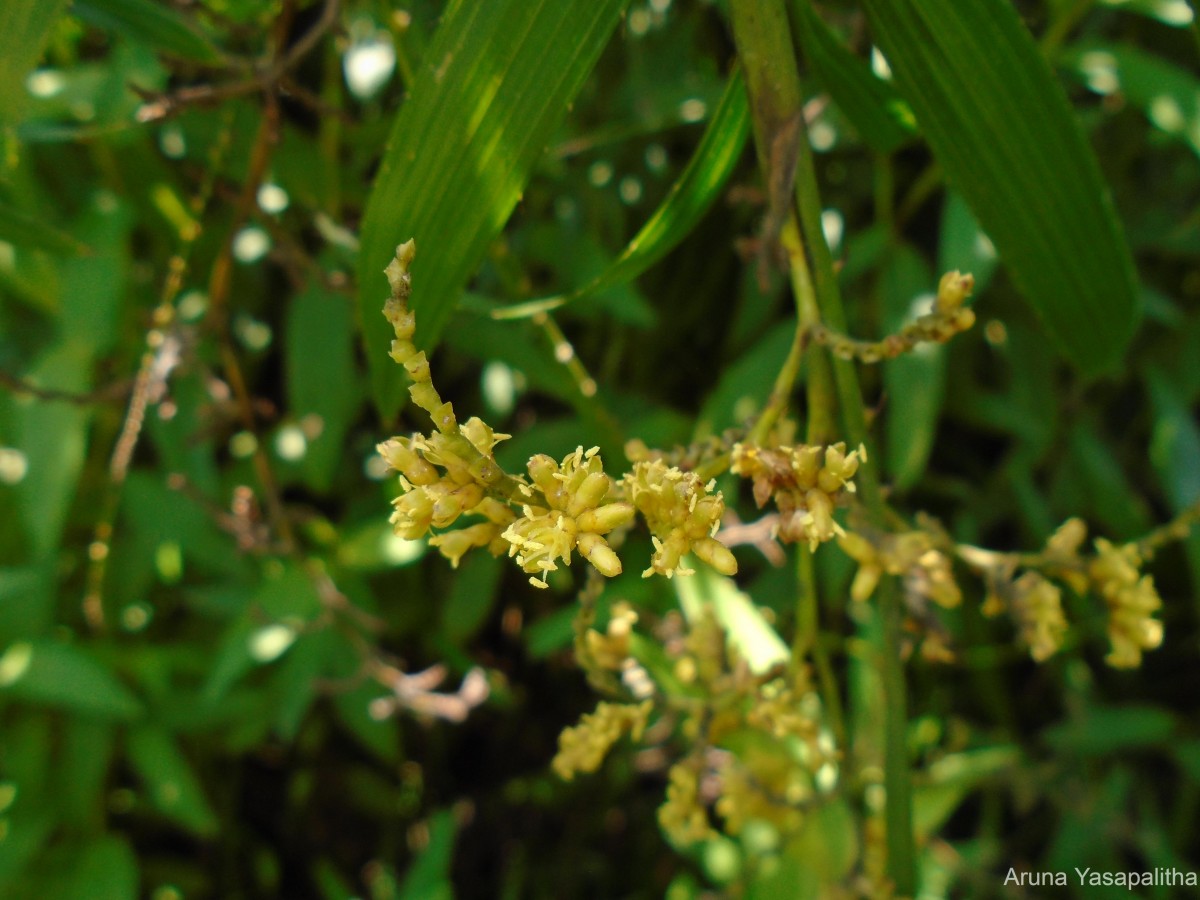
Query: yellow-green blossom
[
  {"x": 582, "y": 747},
  {"x": 575, "y": 517},
  {"x": 806, "y": 481},
  {"x": 1132, "y": 601},
  {"x": 683, "y": 515}
]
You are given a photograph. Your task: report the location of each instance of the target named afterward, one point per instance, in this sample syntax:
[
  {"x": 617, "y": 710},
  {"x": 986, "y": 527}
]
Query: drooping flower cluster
[
  {"x": 582, "y": 747},
  {"x": 1132, "y": 601},
  {"x": 683, "y": 514},
  {"x": 576, "y": 516},
  {"x": 1113, "y": 574},
  {"x": 807, "y": 483}
]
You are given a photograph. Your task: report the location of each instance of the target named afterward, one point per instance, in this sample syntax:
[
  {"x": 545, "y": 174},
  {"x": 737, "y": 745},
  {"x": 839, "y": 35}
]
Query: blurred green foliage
[{"x": 195, "y": 704}]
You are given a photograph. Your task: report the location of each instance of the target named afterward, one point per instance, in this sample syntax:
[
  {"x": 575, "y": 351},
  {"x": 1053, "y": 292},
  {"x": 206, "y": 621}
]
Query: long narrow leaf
[
  {"x": 1002, "y": 128},
  {"x": 24, "y": 28},
  {"x": 685, "y": 204},
  {"x": 493, "y": 86}
]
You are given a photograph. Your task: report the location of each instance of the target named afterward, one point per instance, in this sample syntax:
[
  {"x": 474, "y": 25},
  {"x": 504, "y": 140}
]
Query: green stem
[{"x": 762, "y": 36}]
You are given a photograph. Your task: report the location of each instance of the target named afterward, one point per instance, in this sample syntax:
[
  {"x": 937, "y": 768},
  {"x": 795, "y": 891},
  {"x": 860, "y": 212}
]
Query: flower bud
[
  {"x": 595, "y": 550},
  {"x": 606, "y": 518}
]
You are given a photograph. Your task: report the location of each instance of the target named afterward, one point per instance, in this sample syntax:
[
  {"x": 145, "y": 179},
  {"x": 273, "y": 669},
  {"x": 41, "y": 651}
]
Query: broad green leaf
[
  {"x": 24, "y": 27},
  {"x": 1168, "y": 95},
  {"x": 757, "y": 641},
  {"x": 872, "y": 105},
  {"x": 46, "y": 673},
  {"x": 23, "y": 230},
  {"x": 154, "y": 24},
  {"x": 493, "y": 86},
  {"x": 170, "y": 781},
  {"x": 428, "y": 878},
  {"x": 1007, "y": 139},
  {"x": 685, "y": 204},
  {"x": 914, "y": 383}
]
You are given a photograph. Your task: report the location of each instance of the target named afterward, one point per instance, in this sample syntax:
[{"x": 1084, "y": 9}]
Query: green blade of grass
[
  {"x": 24, "y": 28},
  {"x": 1003, "y": 131},
  {"x": 685, "y": 204},
  {"x": 147, "y": 22},
  {"x": 492, "y": 88}
]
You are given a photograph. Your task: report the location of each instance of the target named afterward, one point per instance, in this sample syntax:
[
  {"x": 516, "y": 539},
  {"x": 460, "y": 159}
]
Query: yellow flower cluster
[
  {"x": 947, "y": 318},
  {"x": 575, "y": 516},
  {"x": 762, "y": 787},
  {"x": 452, "y": 471},
  {"x": 610, "y": 650},
  {"x": 683, "y": 816},
  {"x": 1132, "y": 601},
  {"x": 767, "y": 727},
  {"x": 1036, "y": 606},
  {"x": 683, "y": 514},
  {"x": 806, "y": 481},
  {"x": 911, "y": 554},
  {"x": 582, "y": 747}
]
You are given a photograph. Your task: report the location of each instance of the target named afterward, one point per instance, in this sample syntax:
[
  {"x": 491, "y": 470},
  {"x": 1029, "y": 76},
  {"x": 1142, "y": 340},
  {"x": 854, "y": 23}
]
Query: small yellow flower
[
  {"x": 1132, "y": 601},
  {"x": 575, "y": 517},
  {"x": 582, "y": 747},
  {"x": 683, "y": 515},
  {"x": 806, "y": 483}
]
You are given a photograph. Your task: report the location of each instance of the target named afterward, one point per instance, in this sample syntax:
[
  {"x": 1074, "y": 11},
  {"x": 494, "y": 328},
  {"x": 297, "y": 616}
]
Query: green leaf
[
  {"x": 492, "y": 88},
  {"x": 949, "y": 780},
  {"x": 1168, "y": 95},
  {"x": 86, "y": 752},
  {"x": 46, "y": 673},
  {"x": 685, "y": 204},
  {"x": 23, "y": 230},
  {"x": 169, "y": 779},
  {"x": 24, "y": 27},
  {"x": 1003, "y": 131},
  {"x": 147, "y": 22},
  {"x": 322, "y": 380},
  {"x": 429, "y": 876},
  {"x": 872, "y": 105},
  {"x": 106, "y": 869},
  {"x": 1106, "y": 730},
  {"x": 471, "y": 597}
]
